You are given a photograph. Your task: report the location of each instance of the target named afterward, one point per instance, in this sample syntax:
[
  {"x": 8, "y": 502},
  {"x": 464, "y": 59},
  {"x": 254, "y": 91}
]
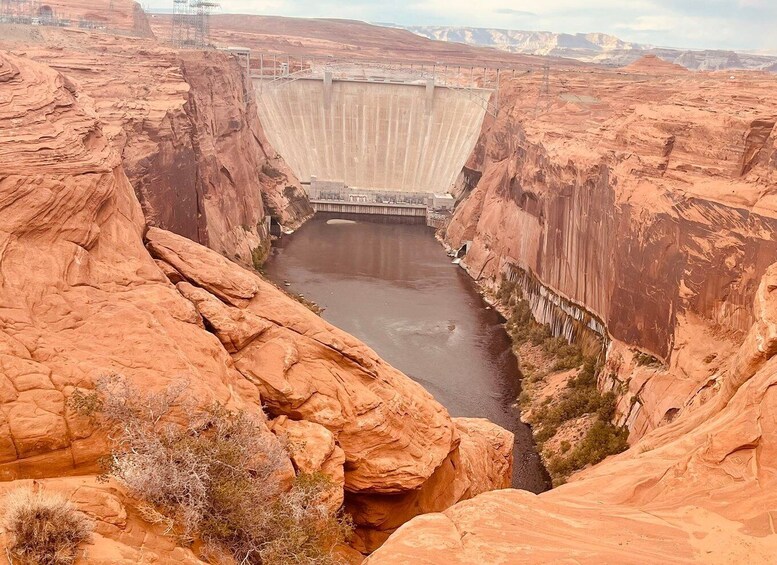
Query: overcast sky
[{"x": 712, "y": 24}]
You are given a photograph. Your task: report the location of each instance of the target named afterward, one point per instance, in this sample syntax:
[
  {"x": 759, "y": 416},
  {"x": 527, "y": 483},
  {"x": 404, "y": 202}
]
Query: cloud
[
  {"x": 714, "y": 24},
  {"x": 512, "y": 12}
]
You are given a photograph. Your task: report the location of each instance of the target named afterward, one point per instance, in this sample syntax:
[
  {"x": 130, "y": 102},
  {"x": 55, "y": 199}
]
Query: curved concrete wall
[{"x": 372, "y": 135}]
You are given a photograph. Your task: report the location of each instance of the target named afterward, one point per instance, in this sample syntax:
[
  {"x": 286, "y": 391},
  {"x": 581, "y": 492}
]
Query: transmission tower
[
  {"x": 544, "y": 94},
  {"x": 181, "y": 23},
  {"x": 201, "y": 10},
  {"x": 191, "y": 22}
]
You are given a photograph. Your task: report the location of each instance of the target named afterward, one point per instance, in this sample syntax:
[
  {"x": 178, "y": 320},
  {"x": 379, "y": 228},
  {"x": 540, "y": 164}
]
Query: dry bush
[
  {"x": 216, "y": 474},
  {"x": 46, "y": 529}
]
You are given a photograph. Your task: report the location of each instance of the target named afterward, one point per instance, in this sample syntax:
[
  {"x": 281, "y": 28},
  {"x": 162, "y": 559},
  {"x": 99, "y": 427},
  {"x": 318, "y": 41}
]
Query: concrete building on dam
[{"x": 381, "y": 140}]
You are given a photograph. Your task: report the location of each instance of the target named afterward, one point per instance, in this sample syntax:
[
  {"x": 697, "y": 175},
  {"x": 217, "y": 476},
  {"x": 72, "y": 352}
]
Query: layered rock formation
[
  {"x": 640, "y": 210},
  {"x": 188, "y": 135},
  {"x": 117, "y": 16},
  {"x": 87, "y": 289},
  {"x": 701, "y": 489}
]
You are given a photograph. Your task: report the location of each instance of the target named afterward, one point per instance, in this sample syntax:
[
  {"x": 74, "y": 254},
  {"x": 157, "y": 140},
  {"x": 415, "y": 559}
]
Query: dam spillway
[{"x": 410, "y": 136}]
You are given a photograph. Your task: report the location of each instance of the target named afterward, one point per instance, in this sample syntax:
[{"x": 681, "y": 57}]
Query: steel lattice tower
[
  {"x": 181, "y": 23},
  {"x": 191, "y": 22},
  {"x": 201, "y": 15}
]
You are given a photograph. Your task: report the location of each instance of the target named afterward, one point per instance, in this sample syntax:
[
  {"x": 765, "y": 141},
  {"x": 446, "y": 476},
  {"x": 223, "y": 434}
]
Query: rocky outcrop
[
  {"x": 403, "y": 455},
  {"x": 80, "y": 296},
  {"x": 701, "y": 488},
  {"x": 189, "y": 138},
  {"x": 309, "y": 370},
  {"x": 121, "y": 535},
  {"x": 88, "y": 290},
  {"x": 117, "y": 16},
  {"x": 482, "y": 461},
  {"x": 641, "y": 212}
]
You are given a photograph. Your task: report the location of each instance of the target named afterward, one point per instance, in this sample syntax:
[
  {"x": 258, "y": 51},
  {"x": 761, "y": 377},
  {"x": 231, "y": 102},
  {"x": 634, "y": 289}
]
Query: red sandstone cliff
[
  {"x": 646, "y": 205},
  {"x": 701, "y": 489},
  {"x": 117, "y": 16},
  {"x": 188, "y": 134},
  {"x": 87, "y": 289}
]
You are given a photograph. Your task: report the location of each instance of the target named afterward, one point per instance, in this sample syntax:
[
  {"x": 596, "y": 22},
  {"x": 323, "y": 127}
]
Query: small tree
[
  {"x": 46, "y": 529},
  {"x": 214, "y": 474}
]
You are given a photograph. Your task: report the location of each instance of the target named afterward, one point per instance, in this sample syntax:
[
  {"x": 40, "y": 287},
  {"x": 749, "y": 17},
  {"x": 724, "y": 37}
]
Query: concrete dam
[{"x": 371, "y": 136}]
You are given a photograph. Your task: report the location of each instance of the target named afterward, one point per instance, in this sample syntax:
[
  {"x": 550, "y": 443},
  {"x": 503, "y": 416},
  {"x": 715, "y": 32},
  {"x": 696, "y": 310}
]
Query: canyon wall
[
  {"x": 87, "y": 290},
  {"x": 188, "y": 134},
  {"x": 375, "y": 135},
  {"x": 118, "y": 16},
  {"x": 701, "y": 489},
  {"x": 645, "y": 207}
]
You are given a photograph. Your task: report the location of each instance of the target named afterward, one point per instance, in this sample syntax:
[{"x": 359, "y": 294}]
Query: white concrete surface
[{"x": 371, "y": 135}]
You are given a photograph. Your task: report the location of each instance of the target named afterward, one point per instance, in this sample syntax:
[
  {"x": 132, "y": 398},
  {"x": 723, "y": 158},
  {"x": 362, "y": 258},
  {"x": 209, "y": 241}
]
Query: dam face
[{"x": 404, "y": 137}]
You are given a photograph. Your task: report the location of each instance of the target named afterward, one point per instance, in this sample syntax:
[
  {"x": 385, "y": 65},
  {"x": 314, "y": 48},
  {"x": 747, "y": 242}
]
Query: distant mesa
[{"x": 654, "y": 64}]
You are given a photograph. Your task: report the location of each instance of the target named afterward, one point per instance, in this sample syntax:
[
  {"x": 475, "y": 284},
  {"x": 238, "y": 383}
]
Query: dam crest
[{"x": 374, "y": 139}]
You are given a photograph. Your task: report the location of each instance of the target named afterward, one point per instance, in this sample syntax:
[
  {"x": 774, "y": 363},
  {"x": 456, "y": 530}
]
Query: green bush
[
  {"x": 646, "y": 360},
  {"x": 580, "y": 397}
]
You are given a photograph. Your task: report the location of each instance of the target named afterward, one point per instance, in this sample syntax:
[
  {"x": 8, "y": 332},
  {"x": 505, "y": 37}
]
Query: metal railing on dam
[{"x": 370, "y": 127}]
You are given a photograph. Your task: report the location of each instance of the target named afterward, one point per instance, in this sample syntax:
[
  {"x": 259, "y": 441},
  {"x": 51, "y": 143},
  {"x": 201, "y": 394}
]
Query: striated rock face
[
  {"x": 700, "y": 489},
  {"x": 640, "y": 209},
  {"x": 87, "y": 289},
  {"x": 188, "y": 135},
  {"x": 122, "y": 16},
  {"x": 623, "y": 229},
  {"x": 80, "y": 297}
]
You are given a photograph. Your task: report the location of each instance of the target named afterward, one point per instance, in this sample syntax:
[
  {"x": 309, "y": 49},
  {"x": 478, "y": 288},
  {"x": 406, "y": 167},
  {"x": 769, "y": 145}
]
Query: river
[{"x": 392, "y": 286}]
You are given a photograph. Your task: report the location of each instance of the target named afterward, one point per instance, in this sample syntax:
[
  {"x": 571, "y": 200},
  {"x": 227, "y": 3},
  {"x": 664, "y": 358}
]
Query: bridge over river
[{"x": 373, "y": 138}]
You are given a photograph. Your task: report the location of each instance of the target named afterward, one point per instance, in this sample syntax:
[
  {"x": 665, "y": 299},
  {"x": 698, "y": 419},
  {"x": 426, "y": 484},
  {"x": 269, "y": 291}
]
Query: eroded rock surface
[
  {"x": 700, "y": 489},
  {"x": 88, "y": 290},
  {"x": 642, "y": 201},
  {"x": 188, "y": 135}
]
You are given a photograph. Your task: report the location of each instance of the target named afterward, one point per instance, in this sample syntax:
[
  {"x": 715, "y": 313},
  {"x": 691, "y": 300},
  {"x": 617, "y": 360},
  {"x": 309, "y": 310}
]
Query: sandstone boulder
[
  {"x": 393, "y": 433},
  {"x": 80, "y": 297},
  {"x": 313, "y": 450}
]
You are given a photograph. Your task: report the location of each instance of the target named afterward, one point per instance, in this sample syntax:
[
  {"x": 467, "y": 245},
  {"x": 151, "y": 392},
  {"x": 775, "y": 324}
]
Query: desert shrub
[
  {"x": 580, "y": 397},
  {"x": 214, "y": 474},
  {"x": 603, "y": 439},
  {"x": 572, "y": 403},
  {"x": 646, "y": 360},
  {"x": 566, "y": 355},
  {"x": 302, "y": 525},
  {"x": 45, "y": 528}
]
